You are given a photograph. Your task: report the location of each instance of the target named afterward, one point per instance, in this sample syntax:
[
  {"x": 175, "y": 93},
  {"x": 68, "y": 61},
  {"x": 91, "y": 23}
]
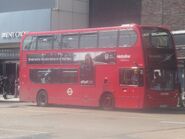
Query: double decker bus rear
[{"x": 161, "y": 68}]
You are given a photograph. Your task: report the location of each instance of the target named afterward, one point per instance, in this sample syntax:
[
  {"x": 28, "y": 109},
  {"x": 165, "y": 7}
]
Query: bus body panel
[{"x": 109, "y": 76}]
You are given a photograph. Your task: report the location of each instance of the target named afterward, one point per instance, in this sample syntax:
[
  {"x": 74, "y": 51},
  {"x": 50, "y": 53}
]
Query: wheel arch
[
  {"x": 38, "y": 93},
  {"x": 103, "y": 95}
]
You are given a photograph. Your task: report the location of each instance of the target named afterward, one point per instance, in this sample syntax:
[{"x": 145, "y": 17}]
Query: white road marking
[
  {"x": 21, "y": 130},
  {"x": 172, "y": 122}
]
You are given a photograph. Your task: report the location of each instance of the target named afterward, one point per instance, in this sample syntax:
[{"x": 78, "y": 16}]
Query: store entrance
[{"x": 11, "y": 71}]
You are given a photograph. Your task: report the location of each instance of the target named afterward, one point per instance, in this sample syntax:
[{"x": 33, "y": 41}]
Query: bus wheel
[
  {"x": 42, "y": 98},
  {"x": 107, "y": 101}
]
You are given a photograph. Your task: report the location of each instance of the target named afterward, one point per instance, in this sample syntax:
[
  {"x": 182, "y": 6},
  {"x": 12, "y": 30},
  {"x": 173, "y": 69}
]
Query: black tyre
[
  {"x": 42, "y": 98},
  {"x": 107, "y": 101}
]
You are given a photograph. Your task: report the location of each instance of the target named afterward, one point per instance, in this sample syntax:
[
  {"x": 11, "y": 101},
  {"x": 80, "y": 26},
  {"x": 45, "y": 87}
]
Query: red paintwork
[{"x": 125, "y": 96}]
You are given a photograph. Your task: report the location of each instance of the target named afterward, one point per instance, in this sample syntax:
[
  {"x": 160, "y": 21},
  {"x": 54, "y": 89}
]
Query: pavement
[{"x": 10, "y": 98}]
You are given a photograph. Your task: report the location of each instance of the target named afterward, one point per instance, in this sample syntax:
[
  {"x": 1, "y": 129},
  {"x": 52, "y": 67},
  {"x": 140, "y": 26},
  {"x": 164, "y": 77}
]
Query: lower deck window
[
  {"x": 162, "y": 79},
  {"x": 54, "y": 76},
  {"x": 131, "y": 76}
]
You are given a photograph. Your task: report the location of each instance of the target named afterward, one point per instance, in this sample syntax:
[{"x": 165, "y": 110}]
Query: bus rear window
[
  {"x": 156, "y": 38},
  {"x": 162, "y": 79}
]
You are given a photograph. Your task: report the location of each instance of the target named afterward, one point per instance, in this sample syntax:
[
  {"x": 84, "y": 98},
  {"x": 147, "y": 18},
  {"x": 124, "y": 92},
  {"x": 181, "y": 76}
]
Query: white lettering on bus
[{"x": 125, "y": 56}]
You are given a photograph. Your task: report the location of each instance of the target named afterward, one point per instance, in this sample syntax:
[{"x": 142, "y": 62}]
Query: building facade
[{"x": 169, "y": 13}]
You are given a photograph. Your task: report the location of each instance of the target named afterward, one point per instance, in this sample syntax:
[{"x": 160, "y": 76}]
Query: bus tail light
[{"x": 124, "y": 90}]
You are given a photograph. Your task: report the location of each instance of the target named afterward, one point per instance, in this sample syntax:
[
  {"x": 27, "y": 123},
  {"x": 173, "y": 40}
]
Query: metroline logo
[{"x": 125, "y": 56}]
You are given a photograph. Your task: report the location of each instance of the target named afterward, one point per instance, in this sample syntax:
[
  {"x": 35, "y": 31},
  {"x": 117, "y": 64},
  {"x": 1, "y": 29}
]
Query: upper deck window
[
  {"x": 70, "y": 41},
  {"x": 156, "y": 38},
  {"x": 127, "y": 38},
  {"x": 88, "y": 40},
  {"x": 39, "y": 42},
  {"x": 108, "y": 39},
  {"x": 57, "y": 42},
  {"x": 29, "y": 43},
  {"x": 45, "y": 42},
  {"x": 101, "y": 39}
]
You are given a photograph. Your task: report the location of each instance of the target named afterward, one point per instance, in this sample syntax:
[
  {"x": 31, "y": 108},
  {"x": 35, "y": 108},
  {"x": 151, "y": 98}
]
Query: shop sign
[{"x": 12, "y": 35}]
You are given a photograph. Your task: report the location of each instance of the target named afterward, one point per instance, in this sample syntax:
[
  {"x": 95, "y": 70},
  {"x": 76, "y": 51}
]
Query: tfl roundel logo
[{"x": 70, "y": 91}]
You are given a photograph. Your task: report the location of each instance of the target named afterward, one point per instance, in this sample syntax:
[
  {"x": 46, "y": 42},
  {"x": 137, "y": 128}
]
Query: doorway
[{"x": 11, "y": 70}]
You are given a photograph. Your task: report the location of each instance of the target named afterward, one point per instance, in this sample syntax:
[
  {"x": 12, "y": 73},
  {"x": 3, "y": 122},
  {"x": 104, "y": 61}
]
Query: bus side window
[
  {"x": 88, "y": 40},
  {"x": 29, "y": 43},
  {"x": 69, "y": 76},
  {"x": 45, "y": 42},
  {"x": 127, "y": 38},
  {"x": 108, "y": 39},
  {"x": 70, "y": 41},
  {"x": 57, "y": 42},
  {"x": 131, "y": 77}
]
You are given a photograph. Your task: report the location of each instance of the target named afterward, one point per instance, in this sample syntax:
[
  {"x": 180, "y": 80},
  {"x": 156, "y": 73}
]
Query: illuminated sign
[{"x": 12, "y": 35}]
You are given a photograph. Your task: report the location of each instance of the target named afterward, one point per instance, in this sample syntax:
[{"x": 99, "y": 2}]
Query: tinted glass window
[
  {"x": 57, "y": 42},
  {"x": 131, "y": 77},
  {"x": 29, "y": 43},
  {"x": 156, "y": 38},
  {"x": 70, "y": 41},
  {"x": 53, "y": 76},
  {"x": 44, "y": 42},
  {"x": 179, "y": 39},
  {"x": 88, "y": 40},
  {"x": 127, "y": 38},
  {"x": 108, "y": 38},
  {"x": 69, "y": 76},
  {"x": 162, "y": 79}
]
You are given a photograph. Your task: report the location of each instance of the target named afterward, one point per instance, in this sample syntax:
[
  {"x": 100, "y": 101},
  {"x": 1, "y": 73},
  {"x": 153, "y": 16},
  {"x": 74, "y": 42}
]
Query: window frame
[
  {"x": 36, "y": 70},
  {"x": 62, "y": 40},
  {"x": 87, "y": 33},
  {"x": 52, "y": 45},
  {"x": 130, "y": 45},
  {"x": 117, "y": 36},
  {"x": 150, "y": 30},
  {"x": 140, "y": 79}
]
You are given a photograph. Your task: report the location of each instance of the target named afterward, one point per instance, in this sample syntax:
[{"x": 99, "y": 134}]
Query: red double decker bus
[{"x": 128, "y": 66}]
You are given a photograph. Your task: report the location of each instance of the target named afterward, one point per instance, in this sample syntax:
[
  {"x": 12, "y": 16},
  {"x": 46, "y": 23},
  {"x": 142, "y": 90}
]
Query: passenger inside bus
[
  {"x": 156, "y": 82},
  {"x": 135, "y": 77}
]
